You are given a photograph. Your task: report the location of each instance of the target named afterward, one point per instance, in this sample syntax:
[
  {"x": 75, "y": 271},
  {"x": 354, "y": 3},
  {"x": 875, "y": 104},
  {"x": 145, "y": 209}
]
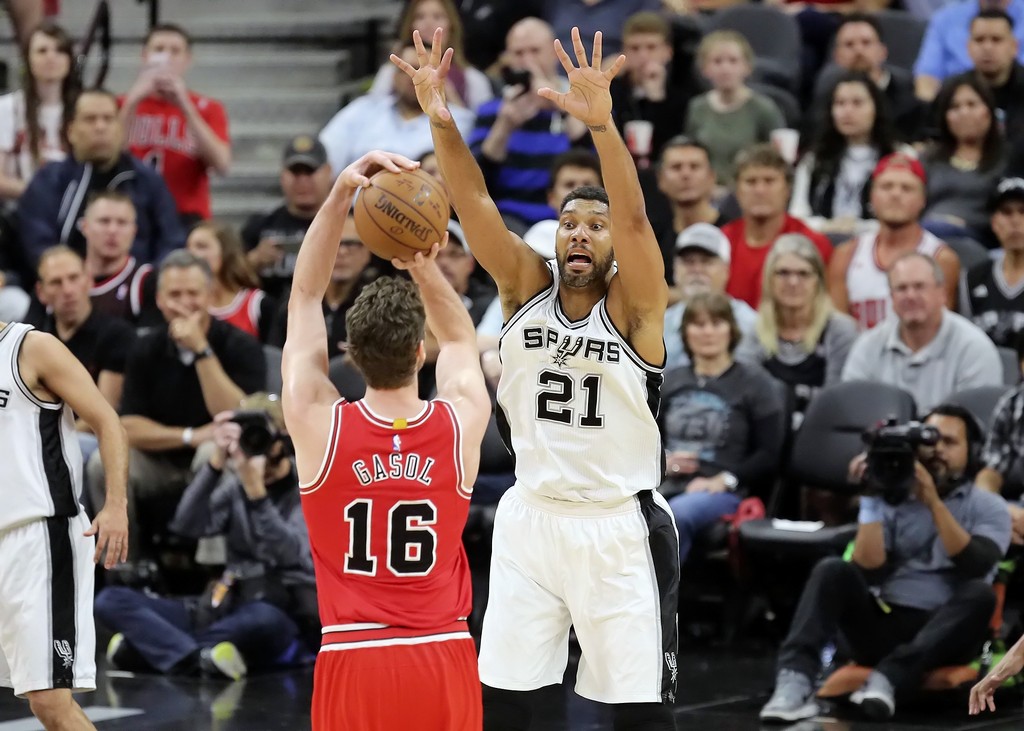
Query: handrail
[
  {"x": 154, "y": 11},
  {"x": 99, "y": 29}
]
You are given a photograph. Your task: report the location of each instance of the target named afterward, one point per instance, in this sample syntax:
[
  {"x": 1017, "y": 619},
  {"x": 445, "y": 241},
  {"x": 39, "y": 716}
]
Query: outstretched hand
[
  {"x": 429, "y": 79},
  {"x": 588, "y": 98},
  {"x": 358, "y": 174},
  {"x": 422, "y": 258}
]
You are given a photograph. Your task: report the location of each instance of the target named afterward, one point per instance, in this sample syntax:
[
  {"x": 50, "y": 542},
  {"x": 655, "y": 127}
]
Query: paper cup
[
  {"x": 639, "y": 133},
  {"x": 787, "y": 142}
]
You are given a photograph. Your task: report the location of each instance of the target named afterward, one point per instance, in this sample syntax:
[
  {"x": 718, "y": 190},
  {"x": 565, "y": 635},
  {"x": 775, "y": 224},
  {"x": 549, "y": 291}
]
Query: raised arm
[{"x": 518, "y": 271}]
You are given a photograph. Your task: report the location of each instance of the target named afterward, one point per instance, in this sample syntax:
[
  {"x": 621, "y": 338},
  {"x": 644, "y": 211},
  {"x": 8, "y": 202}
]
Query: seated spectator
[
  {"x": 1002, "y": 470},
  {"x": 249, "y": 619},
  {"x": 518, "y": 136},
  {"x": 925, "y": 349},
  {"x": 467, "y": 87},
  {"x": 48, "y": 85},
  {"x": 799, "y": 337},
  {"x": 763, "y": 183},
  {"x": 701, "y": 267},
  {"x": 392, "y": 121},
  {"x": 236, "y": 297},
  {"x": 181, "y": 134},
  {"x": 122, "y": 286},
  {"x": 933, "y": 558},
  {"x": 646, "y": 91},
  {"x": 858, "y": 282},
  {"x": 570, "y": 170},
  {"x": 991, "y": 293},
  {"x": 55, "y": 200},
  {"x": 203, "y": 366},
  {"x": 965, "y": 162},
  {"x": 830, "y": 188},
  {"x": 859, "y": 47},
  {"x": 722, "y": 422},
  {"x": 354, "y": 268},
  {"x": 272, "y": 239},
  {"x": 993, "y": 50},
  {"x": 732, "y": 116},
  {"x": 944, "y": 50}
]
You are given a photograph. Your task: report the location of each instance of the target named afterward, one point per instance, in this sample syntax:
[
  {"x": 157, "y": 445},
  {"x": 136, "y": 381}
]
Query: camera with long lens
[
  {"x": 258, "y": 432},
  {"x": 892, "y": 452}
]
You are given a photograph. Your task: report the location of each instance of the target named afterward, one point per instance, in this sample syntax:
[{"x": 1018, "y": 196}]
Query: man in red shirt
[
  {"x": 180, "y": 133},
  {"x": 764, "y": 181},
  {"x": 385, "y": 485}
]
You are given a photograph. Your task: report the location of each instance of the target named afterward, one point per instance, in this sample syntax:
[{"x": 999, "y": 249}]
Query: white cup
[
  {"x": 787, "y": 142},
  {"x": 638, "y": 133}
]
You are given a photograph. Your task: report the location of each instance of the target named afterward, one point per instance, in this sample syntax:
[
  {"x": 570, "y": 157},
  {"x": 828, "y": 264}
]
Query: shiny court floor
[{"x": 718, "y": 690}]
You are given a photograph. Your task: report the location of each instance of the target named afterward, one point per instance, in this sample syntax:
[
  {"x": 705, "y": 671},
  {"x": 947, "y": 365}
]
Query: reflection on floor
[{"x": 719, "y": 690}]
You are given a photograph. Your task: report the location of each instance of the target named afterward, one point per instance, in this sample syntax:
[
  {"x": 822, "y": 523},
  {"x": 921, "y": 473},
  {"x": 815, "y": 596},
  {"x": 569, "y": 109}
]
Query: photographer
[
  {"x": 932, "y": 557},
  {"x": 254, "y": 616}
]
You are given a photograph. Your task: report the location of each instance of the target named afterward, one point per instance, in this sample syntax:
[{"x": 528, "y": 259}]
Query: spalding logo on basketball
[{"x": 401, "y": 213}]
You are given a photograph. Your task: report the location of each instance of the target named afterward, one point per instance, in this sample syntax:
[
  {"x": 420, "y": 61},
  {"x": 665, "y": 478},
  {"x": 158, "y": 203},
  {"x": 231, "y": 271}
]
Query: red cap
[{"x": 900, "y": 160}]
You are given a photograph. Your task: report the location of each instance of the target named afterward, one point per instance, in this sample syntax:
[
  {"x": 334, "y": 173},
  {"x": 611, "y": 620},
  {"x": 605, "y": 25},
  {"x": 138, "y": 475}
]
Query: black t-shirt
[
  {"x": 992, "y": 304},
  {"x": 102, "y": 343},
  {"x": 288, "y": 230}
]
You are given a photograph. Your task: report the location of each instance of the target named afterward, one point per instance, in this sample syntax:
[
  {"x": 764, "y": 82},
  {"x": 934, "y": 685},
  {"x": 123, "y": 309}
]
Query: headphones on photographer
[{"x": 975, "y": 434}]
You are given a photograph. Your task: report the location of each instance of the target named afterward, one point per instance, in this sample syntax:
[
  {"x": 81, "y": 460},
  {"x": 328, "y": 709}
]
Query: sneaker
[
  {"x": 793, "y": 699},
  {"x": 223, "y": 659},
  {"x": 114, "y": 647},
  {"x": 876, "y": 697}
]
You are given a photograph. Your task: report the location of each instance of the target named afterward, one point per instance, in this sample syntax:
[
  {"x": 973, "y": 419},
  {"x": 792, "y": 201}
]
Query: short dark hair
[
  {"x": 184, "y": 259},
  {"x": 763, "y": 155},
  {"x": 574, "y": 158},
  {"x": 682, "y": 141},
  {"x": 861, "y": 18},
  {"x": 109, "y": 195},
  {"x": 586, "y": 193},
  {"x": 647, "y": 21},
  {"x": 385, "y": 326},
  {"x": 716, "y": 306},
  {"x": 98, "y": 91},
  {"x": 974, "y": 430},
  {"x": 168, "y": 28},
  {"x": 992, "y": 14}
]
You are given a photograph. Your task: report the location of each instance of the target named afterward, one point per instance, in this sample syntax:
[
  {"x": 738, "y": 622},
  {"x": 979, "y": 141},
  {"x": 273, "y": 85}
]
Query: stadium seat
[
  {"x": 902, "y": 34},
  {"x": 774, "y": 36},
  {"x": 980, "y": 401},
  {"x": 971, "y": 253}
]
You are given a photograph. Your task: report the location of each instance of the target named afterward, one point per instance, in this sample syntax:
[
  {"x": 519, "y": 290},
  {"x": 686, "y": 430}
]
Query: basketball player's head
[
  {"x": 109, "y": 226},
  {"x": 183, "y": 286},
  {"x": 583, "y": 243},
  {"x": 898, "y": 190},
  {"x": 64, "y": 285},
  {"x": 168, "y": 47},
  {"x": 94, "y": 130},
  {"x": 385, "y": 333}
]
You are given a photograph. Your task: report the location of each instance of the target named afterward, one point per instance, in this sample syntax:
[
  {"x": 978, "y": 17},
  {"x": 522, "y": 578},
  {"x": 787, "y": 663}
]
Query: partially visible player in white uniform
[
  {"x": 583, "y": 538},
  {"x": 47, "y": 545}
]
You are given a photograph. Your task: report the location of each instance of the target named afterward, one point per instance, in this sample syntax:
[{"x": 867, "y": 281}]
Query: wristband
[
  {"x": 872, "y": 510},
  {"x": 186, "y": 436}
]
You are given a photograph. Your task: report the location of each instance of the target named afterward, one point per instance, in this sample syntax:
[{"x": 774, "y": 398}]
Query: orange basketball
[{"x": 401, "y": 213}]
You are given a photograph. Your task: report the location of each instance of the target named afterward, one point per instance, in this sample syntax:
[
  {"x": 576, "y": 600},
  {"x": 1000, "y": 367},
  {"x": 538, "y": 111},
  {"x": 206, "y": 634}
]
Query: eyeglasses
[{"x": 802, "y": 274}]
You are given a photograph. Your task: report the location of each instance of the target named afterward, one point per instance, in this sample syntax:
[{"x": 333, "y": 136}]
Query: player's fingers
[
  {"x": 398, "y": 263},
  {"x": 124, "y": 550},
  {"x": 435, "y": 49},
  {"x": 92, "y": 529},
  {"x": 403, "y": 65},
  {"x": 578, "y": 48},
  {"x": 990, "y": 700},
  {"x": 551, "y": 95},
  {"x": 446, "y": 62},
  {"x": 616, "y": 67},
  {"x": 563, "y": 57},
  {"x": 101, "y": 545},
  {"x": 421, "y": 51},
  {"x": 595, "y": 61}
]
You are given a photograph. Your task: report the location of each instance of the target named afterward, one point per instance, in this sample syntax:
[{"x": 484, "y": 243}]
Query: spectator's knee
[
  {"x": 832, "y": 568},
  {"x": 111, "y": 602},
  {"x": 978, "y": 593}
]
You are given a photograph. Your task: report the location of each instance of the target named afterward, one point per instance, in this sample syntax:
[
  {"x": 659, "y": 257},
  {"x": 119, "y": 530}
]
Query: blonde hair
[
  {"x": 268, "y": 402},
  {"x": 720, "y": 37},
  {"x": 767, "y": 326}
]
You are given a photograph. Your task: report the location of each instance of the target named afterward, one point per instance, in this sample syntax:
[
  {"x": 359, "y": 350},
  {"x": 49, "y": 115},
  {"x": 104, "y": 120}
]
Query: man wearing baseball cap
[
  {"x": 703, "y": 254},
  {"x": 272, "y": 239},
  {"x": 857, "y": 275},
  {"x": 992, "y": 293}
]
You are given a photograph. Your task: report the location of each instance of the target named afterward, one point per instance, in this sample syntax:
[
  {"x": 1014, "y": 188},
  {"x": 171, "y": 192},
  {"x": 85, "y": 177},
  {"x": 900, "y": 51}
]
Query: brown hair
[
  {"x": 385, "y": 325},
  {"x": 168, "y": 28},
  {"x": 454, "y": 29},
  {"x": 69, "y": 88},
  {"x": 721, "y": 37},
  {"x": 647, "y": 22},
  {"x": 763, "y": 156},
  {"x": 713, "y": 305},
  {"x": 109, "y": 195},
  {"x": 235, "y": 271},
  {"x": 53, "y": 251}
]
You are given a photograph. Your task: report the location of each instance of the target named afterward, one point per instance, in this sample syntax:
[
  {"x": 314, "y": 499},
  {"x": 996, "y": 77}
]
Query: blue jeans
[
  {"x": 695, "y": 511},
  {"x": 162, "y": 630}
]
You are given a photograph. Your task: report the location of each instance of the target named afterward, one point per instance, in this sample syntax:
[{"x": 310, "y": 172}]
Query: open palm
[
  {"x": 430, "y": 78},
  {"x": 588, "y": 98}
]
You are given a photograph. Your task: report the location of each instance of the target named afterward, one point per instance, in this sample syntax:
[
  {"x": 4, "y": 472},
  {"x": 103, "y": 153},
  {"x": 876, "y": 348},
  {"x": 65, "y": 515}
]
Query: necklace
[{"x": 961, "y": 163}]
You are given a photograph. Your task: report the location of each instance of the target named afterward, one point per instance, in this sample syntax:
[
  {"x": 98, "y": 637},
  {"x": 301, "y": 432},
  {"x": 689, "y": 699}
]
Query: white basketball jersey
[
  {"x": 576, "y": 405},
  {"x": 40, "y": 461},
  {"x": 867, "y": 284}
]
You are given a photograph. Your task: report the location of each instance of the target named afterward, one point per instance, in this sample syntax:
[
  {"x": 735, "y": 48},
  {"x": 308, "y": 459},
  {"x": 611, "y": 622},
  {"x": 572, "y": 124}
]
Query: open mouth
[{"x": 578, "y": 260}]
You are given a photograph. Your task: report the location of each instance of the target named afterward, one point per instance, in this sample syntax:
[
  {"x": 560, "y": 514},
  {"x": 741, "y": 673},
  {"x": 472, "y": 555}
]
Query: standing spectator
[
  {"x": 926, "y": 350},
  {"x": 518, "y": 136},
  {"x": 181, "y": 134},
  {"x": 965, "y": 162},
  {"x": 799, "y": 336},
  {"x": 732, "y": 116},
  {"x": 203, "y": 366},
  {"x": 55, "y": 199},
  {"x": 392, "y": 121},
  {"x": 48, "y": 87},
  {"x": 991, "y": 294},
  {"x": 467, "y": 87},
  {"x": 763, "y": 183},
  {"x": 944, "y": 50},
  {"x": 646, "y": 91},
  {"x": 993, "y": 49},
  {"x": 272, "y": 239},
  {"x": 858, "y": 280},
  {"x": 236, "y": 297},
  {"x": 590, "y": 16},
  {"x": 722, "y": 422}
]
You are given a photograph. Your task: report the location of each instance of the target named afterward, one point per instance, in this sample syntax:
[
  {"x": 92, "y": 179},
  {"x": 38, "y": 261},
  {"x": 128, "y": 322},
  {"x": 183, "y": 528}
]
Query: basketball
[{"x": 401, "y": 213}]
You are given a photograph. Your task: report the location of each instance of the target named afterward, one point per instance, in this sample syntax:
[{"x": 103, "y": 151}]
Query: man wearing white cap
[{"x": 702, "y": 261}]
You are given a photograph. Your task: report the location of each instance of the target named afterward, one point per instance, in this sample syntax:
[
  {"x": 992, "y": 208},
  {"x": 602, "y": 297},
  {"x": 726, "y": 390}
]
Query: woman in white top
[
  {"x": 467, "y": 86},
  {"x": 32, "y": 118},
  {"x": 830, "y": 188}
]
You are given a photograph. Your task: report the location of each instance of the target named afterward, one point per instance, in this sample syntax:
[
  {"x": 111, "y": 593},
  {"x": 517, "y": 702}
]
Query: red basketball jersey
[
  {"x": 385, "y": 517},
  {"x": 243, "y": 311}
]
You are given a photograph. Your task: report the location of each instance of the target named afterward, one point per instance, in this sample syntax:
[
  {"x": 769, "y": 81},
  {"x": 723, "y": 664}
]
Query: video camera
[
  {"x": 892, "y": 452},
  {"x": 258, "y": 432}
]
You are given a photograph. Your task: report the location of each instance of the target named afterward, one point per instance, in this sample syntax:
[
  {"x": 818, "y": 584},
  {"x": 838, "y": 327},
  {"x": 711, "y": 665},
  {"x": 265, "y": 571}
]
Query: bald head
[{"x": 529, "y": 44}]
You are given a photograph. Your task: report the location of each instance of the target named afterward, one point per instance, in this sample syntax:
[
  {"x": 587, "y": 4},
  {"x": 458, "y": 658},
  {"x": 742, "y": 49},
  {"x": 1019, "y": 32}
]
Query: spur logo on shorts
[
  {"x": 63, "y": 648},
  {"x": 673, "y": 667}
]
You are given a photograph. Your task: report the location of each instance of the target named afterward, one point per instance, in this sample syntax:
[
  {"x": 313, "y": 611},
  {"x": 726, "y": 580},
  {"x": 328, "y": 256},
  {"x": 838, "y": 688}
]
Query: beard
[
  {"x": 946, "y": 480},
  {"x": 580, "y": 280}
]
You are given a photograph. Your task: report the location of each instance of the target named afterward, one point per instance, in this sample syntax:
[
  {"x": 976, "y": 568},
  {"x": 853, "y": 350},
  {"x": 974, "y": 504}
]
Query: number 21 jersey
[{"x": 576, "y": 405}]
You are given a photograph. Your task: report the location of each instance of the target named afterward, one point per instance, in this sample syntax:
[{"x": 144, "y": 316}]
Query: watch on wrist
[
  {"x": 730, "y": 481},
  {"x": 204, "y": 353}
]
